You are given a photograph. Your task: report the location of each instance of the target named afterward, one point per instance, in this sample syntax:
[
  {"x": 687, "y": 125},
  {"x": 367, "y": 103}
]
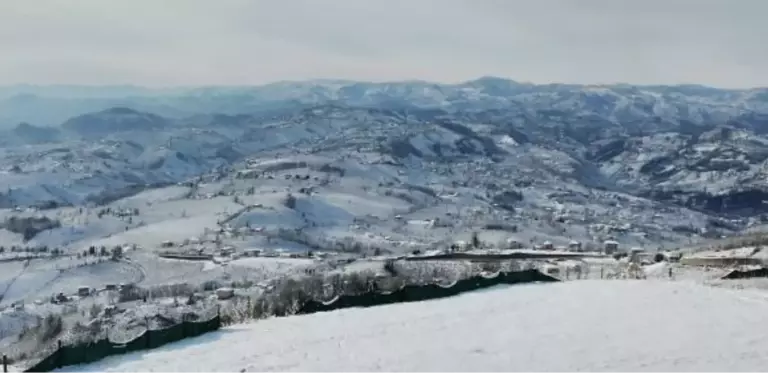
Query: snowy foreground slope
[{"x": 578, "y": 325}]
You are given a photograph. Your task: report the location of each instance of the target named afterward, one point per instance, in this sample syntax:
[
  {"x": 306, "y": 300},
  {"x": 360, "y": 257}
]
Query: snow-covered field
[
  {"x": 356, "y": 201},
  {"x": 217, "y": 200},
  {"x": 570, "y": 326}
]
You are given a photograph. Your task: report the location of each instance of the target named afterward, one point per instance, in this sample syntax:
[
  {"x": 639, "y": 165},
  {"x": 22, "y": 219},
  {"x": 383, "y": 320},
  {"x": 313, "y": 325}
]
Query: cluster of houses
[{"x": 610, "y": 247}]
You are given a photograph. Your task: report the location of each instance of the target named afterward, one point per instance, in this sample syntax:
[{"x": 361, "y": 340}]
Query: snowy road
[{"x": 571, "y": 326}]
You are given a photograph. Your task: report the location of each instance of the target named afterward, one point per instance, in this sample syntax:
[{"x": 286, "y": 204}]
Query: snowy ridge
[{"x": 616, "y": 102}]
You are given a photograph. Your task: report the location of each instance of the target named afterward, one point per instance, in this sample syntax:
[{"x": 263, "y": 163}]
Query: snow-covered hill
[
  {"x": 571, "y": 326},
  {"x": 305, "y": 177},
  {"x": 496, "y": 154},
  {"x": 697, "y": 146},
  {"x": 369, "y": 168},
  {"x": 430, "y": 167}
]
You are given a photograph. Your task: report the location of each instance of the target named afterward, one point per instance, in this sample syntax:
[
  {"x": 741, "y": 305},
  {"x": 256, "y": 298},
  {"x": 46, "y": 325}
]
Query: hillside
[
  {"x": 581, "y": 154},
  {"x": 367, "y": 169},
  {"x": 180, "y": 192},
  {"x": 571, "y": 326}
]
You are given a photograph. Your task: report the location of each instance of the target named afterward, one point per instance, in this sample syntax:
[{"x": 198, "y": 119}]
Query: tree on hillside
[
  {"x": 290, "y": 201},
  {"x": 475, "y": 240}
]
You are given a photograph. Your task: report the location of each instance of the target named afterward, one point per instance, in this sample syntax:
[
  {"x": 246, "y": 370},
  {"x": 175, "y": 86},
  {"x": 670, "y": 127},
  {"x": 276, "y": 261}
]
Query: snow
[
  {"x": 185, "y": 178},
  {"x": 571, "y": 326},
  {"x": 153, "y": 235},
  {"x": 742, "y": 252},
  {"x": 153, "y": 196},
  {"x": 10, "y": 238},
  {"x": 42, "y": 278},
  {"x": 657, "y": 270},
  {"x": 303, "y": 144},
  {"x": 272, "y": 264}
]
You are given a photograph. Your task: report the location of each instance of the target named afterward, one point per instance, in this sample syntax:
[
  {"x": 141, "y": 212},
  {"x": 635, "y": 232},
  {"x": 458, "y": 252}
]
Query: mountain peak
[
  {"x": 119, "y": 110},
  {"x": 116, "y": 119}
]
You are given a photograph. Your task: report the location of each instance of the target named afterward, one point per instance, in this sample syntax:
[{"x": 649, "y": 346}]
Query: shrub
[
  {"x": 95, "y": 310},
  {"x": 475, "y": 240},
  {"x": 51, "y": 327},
  {"x": 290, "y": 201}
]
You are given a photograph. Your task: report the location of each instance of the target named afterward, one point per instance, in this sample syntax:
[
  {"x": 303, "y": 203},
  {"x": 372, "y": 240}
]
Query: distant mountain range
[{"x": 52, "y": 105}]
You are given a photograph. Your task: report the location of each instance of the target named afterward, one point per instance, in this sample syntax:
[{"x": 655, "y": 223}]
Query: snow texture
[
  {"x": 353, "y": 170},
  {"x": 572, "y": 326}
]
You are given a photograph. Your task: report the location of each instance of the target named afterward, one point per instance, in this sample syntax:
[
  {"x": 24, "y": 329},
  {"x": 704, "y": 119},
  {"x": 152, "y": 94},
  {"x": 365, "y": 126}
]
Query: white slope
[{"x": 572, "y": 326}]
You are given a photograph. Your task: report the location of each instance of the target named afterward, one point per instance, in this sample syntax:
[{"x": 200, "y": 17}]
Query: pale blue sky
[{"x": 196, "y": 42}]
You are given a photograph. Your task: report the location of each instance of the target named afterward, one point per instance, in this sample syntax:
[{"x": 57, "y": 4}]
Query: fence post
[
  {"x": 5, "y": 364},
  {"x": 184, "y": 325},
  {"x": 58, "y": 353},
  {"x": 146, "y": 339}
]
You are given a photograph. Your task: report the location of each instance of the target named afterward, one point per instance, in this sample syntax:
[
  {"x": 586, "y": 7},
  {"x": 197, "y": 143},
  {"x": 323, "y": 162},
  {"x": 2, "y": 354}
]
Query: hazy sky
[{"x": 191, "y": 42}]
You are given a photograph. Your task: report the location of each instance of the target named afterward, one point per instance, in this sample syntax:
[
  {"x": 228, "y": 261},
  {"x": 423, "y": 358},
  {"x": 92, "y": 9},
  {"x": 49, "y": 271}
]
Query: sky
[{"x": 247, "y": 42}]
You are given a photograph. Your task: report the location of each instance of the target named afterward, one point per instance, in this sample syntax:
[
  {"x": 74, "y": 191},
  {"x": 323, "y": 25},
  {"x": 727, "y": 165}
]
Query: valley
[{"x": 336, "y": 178}]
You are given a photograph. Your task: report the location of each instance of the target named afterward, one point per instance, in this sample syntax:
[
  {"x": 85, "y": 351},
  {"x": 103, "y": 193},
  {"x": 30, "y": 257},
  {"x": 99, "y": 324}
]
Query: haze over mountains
[{"x": 52, "y": 105}]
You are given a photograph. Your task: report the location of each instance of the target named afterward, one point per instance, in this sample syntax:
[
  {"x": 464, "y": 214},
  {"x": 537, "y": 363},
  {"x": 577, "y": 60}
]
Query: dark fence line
[
  {"x": 94, "y": 351},
  {"x": 84, "y": 353},
  {"x": 182, "y": 256},
  {"x": 416, "y": 293},
  {"x": 500, "y": 257},
  {"x": 737, "y": 274}
]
